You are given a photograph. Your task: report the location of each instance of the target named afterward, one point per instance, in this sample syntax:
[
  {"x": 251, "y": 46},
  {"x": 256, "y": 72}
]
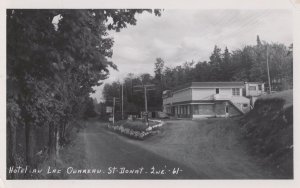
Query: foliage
[
  {"x": 54, "y": 59},
  {"x": 269, "y": 130}
]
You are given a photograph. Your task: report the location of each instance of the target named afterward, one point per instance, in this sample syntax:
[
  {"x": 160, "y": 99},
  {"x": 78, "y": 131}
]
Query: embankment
[{"x": 269, "y": 131}]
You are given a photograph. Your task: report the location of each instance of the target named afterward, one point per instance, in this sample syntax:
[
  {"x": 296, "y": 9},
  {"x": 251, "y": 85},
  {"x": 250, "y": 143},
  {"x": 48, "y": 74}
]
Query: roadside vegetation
[{"x": 269, "y": 131}]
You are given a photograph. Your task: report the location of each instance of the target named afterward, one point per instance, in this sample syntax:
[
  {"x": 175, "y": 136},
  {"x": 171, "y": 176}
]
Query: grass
[{"x": 72, "y": 155}]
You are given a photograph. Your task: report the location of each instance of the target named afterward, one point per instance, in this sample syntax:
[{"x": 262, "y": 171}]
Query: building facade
[
  {"x": 253, "y": 90},
  {"x": 206, "y": 99}
]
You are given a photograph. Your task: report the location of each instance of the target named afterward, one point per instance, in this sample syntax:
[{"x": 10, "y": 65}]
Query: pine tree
[
  {"x": 226, "y": 66},
  {"x": 258, "y": 43},
  {"x": 215, "y": 63}
]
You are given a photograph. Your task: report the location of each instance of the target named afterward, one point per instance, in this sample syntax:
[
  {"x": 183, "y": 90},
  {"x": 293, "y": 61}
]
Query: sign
[
  {"x": 109, "y": 109},
  {"x": 145, "y": 113}
]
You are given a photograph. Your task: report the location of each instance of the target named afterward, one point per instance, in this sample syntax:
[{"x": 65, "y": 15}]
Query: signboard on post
[{"x": 109, "y": 109}]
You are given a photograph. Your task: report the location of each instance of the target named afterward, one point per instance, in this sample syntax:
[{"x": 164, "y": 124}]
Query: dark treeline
[
  {"x": 54, "y": 59},
  {"x": 246, "y": 64}
]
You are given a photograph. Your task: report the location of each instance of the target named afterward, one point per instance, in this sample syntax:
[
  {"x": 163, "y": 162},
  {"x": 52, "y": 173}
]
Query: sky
[{"x": 178, "y": 36}]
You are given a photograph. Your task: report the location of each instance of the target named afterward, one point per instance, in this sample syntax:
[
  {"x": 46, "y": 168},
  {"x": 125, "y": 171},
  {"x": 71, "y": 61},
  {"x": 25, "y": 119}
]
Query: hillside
[{"x": 269, "y": 130}]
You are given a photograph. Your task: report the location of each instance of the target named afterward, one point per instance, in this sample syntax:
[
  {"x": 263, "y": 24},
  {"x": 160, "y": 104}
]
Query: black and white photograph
[{"x": 149, "y": 94}]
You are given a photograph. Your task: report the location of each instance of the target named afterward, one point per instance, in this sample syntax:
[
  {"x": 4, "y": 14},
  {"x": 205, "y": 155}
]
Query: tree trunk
[
  {"x": 11, "y": 148},
  {"x": 62, "y": 132},
  {"x": 57, "y": 141},
  {"x": 52, "y": 141},
  {"x": 30, "y": 144}
]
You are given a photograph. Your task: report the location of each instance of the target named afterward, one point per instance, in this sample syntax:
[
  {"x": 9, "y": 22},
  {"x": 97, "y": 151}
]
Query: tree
[
  {"x": 52, "y": 67},
  {"x": 226, "y": 66},
  {"x": 90, "y": 109},
  {"x": 215, "y": 63},
  {"x": 158, "y": 68},
  {"x": 201, "y": 72},
  {"x": 258, "y": 43}
]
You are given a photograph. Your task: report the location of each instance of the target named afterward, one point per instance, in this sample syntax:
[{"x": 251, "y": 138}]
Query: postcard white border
[{"x": 293, "y": 5}]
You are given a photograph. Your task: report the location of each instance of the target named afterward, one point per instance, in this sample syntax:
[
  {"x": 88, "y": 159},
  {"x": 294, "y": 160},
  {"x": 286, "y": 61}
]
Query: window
[
  {"x": 236, "y": 91},
  {"x": 217, "y": 90},
  {"x": 252, "y": 88},
  {"x": 196, "y": 109},
  {"x": 259, "y": 87}
]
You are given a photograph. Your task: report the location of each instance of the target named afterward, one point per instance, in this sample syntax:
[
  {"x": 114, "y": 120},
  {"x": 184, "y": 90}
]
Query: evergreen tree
[
  {"x": 226, "y": 66},
  {"x": 258, "y": 43},
  {"x": 215, "y": 64}
]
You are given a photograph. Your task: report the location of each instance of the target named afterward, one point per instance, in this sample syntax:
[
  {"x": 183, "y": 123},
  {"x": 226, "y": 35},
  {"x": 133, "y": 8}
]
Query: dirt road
[{"x": 204, "y": 149}]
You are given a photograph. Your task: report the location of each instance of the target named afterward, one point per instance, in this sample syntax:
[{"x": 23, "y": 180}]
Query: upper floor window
[
  {"x": 236, "y": 91},
  {"x": 217, "y": 90},
  {"x": 252, "y": 88}
]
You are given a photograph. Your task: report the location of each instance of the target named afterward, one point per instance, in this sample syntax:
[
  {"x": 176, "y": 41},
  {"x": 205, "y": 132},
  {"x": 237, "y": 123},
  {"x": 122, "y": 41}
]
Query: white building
[
  {"x": 253, "y": 90},
  {"x": 207, "y": 99}
]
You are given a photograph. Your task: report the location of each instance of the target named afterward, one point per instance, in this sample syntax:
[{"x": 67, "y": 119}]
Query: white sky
[{"x": 185, "y": 35}]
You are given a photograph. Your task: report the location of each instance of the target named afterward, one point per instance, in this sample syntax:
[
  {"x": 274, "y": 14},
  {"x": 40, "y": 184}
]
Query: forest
[{"x": 248, "y": 64}]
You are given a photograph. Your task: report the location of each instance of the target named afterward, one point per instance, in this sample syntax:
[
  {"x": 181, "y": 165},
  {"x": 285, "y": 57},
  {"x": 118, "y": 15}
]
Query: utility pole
[
  {"x": 146, "y": 104},
  {"x": 114, "y": 100},
  {"x": 122, "y": 103},
  {"x": 114, "y": 104},
  {"x": 140, "y": 88},
  {"x": 270, "y": 89}
]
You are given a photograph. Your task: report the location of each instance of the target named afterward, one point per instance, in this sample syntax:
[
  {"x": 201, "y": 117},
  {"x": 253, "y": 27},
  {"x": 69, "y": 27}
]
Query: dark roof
[{"x": 210, "y": 85}]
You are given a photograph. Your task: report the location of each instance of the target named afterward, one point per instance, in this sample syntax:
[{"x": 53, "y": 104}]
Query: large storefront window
[
  {"x": 203, "y": 109},
  {"x": 182, "y": 110}
]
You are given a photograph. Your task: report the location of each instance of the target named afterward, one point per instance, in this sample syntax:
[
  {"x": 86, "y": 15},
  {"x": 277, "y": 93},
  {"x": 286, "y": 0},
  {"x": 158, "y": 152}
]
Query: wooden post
[
  {"x": 122, "y": 103},
  {"x": 270, "y": 89},
  {"x": 114, "y": 103},
  {"x": 146, "y": 105}
]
